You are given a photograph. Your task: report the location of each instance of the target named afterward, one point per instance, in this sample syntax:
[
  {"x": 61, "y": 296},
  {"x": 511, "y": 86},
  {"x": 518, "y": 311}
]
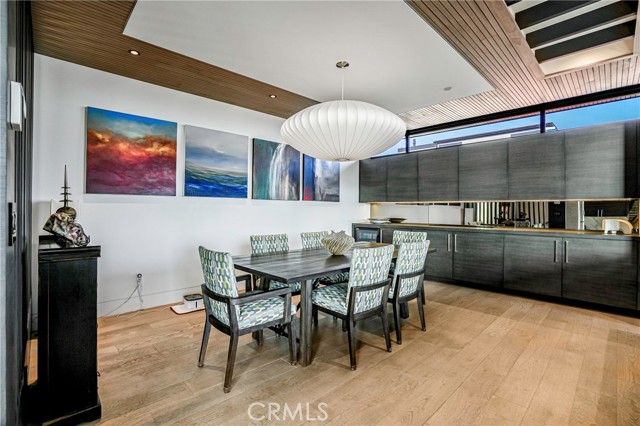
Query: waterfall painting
[
  {"x": 216, "y": 163},
  {"x": 129, "y": 154},
  {"x": 320, "y": 180},
  {"x": 276, "y": 171}
]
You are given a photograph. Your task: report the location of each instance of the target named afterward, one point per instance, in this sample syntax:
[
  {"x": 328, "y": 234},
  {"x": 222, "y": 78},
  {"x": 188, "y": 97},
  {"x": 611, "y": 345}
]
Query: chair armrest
[
  {"x": 211, "y": 295},
  {"x": 259, "y": 295},
  {"x": 359, "y": 289},
  {"x": 246, "y": 277},
  {"x": 411, "y": 275}
]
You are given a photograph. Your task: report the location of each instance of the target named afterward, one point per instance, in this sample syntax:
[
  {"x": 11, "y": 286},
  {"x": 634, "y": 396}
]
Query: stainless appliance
[{"x": 367, "y": 234}]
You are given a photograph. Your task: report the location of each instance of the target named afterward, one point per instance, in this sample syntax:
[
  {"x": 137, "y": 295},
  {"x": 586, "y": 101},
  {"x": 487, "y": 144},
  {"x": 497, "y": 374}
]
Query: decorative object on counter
[
  {"x": 216, "y": 163},
  {"x": 343, "y": 130},
  {"x": 338, "y": 243},
  {"x": 397, "y": 219},
  {"x": 378, "y": 221},
  {"x": 320, "y": 179},
  {"x": 276, "y": 171},
  {"x": 129, "y": 154},
  {"x": 62, "y": 224}
]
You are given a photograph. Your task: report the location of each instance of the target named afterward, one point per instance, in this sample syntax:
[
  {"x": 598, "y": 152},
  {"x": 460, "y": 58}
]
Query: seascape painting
[
  {"x": 216, "y": 163},
  {"x": 321, "y": 180},
  {"x": 276, "y": 171},
  {"x": 129, "y": 154}
]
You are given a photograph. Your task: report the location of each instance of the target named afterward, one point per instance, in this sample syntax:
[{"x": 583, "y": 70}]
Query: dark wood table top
[{"x": 299, "y": 265}]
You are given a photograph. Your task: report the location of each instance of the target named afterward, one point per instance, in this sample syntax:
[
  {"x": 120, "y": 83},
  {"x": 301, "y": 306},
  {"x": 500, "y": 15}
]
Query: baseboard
[{"x": 150, "y": 301}]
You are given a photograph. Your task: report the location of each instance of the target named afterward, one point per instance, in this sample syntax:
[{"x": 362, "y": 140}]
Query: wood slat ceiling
[
  {"x": 89, "y": 33},
  {"x": 486, "y": 34}
]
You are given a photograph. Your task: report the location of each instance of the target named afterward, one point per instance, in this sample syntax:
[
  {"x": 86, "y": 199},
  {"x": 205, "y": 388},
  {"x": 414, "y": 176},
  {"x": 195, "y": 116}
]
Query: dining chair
[
  {"x": 270, "y": 244},
  {"x": 400, "y": 237},
  {"x": 408, "y": 279},
  {"x": 364, "y": 296},
  {"x": 313, "y": 241},
  {"x": 236, "y": 315}
]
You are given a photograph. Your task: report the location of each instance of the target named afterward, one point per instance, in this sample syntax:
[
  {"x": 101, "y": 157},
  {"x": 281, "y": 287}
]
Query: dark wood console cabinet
[{"x": 67, "y": 388}]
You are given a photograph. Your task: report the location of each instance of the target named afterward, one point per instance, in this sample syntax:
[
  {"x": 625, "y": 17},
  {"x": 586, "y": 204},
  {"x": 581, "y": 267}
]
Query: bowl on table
[
  {"x": 397, "y": 219},
  {"x": 377, "y": 221}
]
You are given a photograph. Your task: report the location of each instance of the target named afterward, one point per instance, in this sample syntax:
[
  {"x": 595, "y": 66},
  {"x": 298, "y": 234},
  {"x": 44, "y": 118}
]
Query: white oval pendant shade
[{"x": 343, "y": 130}]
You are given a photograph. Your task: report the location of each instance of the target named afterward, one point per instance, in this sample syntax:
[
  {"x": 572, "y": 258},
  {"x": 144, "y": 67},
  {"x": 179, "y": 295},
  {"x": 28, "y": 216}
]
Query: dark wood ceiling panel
[
  {"x": 574, "y": 45},
  {"x": 548, "y": 10},
  {"x": 89, "y": 33},
  {"x": 581, "y": 23}
]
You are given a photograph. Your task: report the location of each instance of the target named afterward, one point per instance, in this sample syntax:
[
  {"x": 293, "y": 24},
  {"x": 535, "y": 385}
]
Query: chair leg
[
  {"x": 385, "y": 328},
  {"x": 351, "y": 329},
  {"x": 205, "y": 342},
  {"x": 421, "y": 311},
  {"x": 315, "y": 316},
  {"x": 260, "y": 337},
  {"x": 396, "y": 321},
  {"x": 292, "y": 329},
  {"x": 231, "y": 360},
  {"x": 344, "y": 325}
]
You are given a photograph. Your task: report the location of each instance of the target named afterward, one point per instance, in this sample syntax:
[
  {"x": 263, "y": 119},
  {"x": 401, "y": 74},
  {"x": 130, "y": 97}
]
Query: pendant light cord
[{"x": 343, "y": 84}]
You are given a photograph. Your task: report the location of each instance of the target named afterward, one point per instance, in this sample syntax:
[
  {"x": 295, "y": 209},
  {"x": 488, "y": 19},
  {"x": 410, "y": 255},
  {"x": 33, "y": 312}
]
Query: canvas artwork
[
  {"x": 321, "y": 179},
  {"x": 276, "y": 171},
  {"x": 129, "y": 154},
  {"x": 216, "y": 163}
]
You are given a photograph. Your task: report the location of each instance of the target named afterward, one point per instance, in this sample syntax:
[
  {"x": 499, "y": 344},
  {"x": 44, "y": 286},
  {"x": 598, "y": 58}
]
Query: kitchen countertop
[{"x": 508, "y": 229}]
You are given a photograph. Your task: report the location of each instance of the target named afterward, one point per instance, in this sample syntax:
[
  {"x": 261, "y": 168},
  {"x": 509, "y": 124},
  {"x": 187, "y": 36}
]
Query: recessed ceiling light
[
  {"x": 134, "y": 52},
  {"x": 446, "y": 89},
  {"x": 272, "y": 96}
]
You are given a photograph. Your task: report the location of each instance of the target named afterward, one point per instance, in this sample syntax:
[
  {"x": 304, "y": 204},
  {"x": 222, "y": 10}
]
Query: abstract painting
[
  {"x": 276, "y": 171},
  {"x": 216, "y": 163},
  {"x": 129, "y": 154},
  {"x": 321, "y": 180}
]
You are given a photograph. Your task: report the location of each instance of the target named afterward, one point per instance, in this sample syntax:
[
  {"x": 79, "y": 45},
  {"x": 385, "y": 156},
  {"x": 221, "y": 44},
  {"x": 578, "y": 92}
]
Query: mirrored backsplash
[{"x": 576, "y": 215}]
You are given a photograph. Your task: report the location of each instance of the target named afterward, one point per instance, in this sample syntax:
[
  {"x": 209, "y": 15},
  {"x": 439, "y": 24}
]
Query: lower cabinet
[
  {"x": 601, "y": 271},
  {"x": 478, "y": 258},
  {"x": 533, "y": 264},
  {"x": 440, "y": 263}
]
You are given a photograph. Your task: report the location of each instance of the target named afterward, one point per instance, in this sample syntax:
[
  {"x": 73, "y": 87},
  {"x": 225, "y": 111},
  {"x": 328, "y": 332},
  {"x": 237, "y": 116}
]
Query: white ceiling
[{"x": 397, "y": 60}]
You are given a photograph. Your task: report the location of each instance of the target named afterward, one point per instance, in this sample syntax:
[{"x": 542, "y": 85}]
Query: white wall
[
  {"x": 158, "y": 236},
  {"x": 433, "y": 214}
]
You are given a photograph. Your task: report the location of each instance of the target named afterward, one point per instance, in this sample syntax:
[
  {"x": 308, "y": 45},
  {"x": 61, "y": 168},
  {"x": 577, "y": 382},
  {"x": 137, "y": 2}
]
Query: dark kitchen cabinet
[
  {"x": 606, "y": 208},
  {"x": 601, "y": 161},
  {"x": 373, "y": 180},
  {"x": 438, "y": 175},
  {"x": 601, "y": 271},
  {"x": 478, "y": 258},
  {"x": 483, "y": 171},
  {"x": 440, "y": 263},
  {"x": 67, "y": 333},
  {"x": 533, "y": 264},
  {"x": 402, "y": 178},
  {"x": 536, "y": 167}
]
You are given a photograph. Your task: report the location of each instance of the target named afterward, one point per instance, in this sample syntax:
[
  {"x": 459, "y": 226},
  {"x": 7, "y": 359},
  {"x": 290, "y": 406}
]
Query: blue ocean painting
[
  {"x": 321, "y": 180},
  {"x": 216, "y": 163},
  {"x": 276, "y": 171}
]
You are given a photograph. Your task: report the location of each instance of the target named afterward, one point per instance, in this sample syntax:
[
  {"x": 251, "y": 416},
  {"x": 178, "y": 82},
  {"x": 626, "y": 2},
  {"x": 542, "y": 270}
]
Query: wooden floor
[{"x": 486, "y": 358}]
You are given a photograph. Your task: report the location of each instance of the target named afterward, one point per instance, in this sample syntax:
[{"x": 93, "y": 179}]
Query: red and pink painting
[{"x": 129, "y": 154}]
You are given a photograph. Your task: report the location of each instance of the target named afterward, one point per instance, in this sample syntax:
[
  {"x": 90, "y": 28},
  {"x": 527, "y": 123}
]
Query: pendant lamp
[{"x": 343, "y": 130}]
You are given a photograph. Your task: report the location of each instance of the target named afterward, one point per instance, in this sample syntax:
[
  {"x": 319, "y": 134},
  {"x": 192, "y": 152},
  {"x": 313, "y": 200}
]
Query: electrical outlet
[{"x": 139, "y": 288}]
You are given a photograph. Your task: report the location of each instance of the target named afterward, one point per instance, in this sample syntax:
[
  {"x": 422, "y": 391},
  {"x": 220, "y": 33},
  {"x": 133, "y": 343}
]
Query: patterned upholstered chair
[
  {"x": 408, "y": 279},
  {"x": 269, "y": 244},
  {"x": 312, "y": 241},
  {"x": 235, "y": 314},
  {"x": 400, "y": 237},
  {"x": 365, "y": 294}
]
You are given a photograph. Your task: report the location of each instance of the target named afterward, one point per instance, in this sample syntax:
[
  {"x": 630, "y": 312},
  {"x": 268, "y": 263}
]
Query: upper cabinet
[
  {"x": 402, "y": 178},
  {"x": 536, "y": 167},
  {"x": 373, "y": 180},
  {"x": 601, "y": 161},
  {"x": 438, "y": 175},
  {"x": 483, "y": 171}
]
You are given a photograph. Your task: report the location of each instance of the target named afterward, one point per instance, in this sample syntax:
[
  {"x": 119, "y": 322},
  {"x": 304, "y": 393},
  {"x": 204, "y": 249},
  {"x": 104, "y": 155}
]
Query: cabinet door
[
  {"x": 533, "y": 264},
  {"x": 387, "y": 235},
  {"x": 478, "y": 258},
  {"x": 601, "y": 161},
  {"x": 440, "y": 263},
  {"x": 483, "y": 171},
  {"x": 536, "y": 167},
  {"x": 402, "y": 178},
  {"x": 373, "y": 180},
  {"x": 438, "y": 175},
  {"x": 601, "y": 271}
]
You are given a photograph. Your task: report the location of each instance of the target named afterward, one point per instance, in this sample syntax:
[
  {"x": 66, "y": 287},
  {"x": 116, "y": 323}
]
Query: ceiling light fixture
[
  {"x": 446, "y": 89},
  {"x": 272, "y": 96},
  {"x": 343, "y": 130},
  {"x": 134, "y": 52}
]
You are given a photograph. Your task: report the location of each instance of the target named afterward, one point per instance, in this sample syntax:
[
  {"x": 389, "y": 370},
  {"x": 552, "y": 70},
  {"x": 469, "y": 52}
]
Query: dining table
[{"x": 303, "y": 266}]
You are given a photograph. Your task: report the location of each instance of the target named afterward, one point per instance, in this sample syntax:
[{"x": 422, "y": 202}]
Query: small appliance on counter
[{"x": 615, "y": 226}]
